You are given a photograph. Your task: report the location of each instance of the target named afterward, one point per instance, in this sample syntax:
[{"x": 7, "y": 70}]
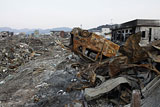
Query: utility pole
[{"x": 81, "y": 26}]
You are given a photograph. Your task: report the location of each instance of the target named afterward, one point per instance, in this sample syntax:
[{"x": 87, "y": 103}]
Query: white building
[
  {"x": 105, "y": 32},
  {"x": 150, "y": 30}
]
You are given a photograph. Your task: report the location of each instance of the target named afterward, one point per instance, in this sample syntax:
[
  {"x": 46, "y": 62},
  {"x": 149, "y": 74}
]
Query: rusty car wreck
[{"x": 86, "y": 44}]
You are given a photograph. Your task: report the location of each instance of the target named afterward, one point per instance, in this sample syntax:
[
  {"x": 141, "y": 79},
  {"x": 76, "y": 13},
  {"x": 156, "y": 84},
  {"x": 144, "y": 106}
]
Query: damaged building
[{"x": 150, "y": 30}]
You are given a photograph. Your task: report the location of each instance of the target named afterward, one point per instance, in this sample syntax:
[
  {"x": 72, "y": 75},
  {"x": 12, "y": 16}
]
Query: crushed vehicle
[{"x": 92, "y": 46}]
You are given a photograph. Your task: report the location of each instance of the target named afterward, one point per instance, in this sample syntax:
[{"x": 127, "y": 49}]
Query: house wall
[
  {"x": 155, "y": 32},
  {"x": 126, "y": 32},
  {"x": 150, "y": 36}
]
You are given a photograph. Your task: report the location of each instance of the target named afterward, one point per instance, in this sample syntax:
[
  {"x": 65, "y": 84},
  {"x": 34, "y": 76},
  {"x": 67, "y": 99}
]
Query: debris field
[{"x": 80, "y": 70}]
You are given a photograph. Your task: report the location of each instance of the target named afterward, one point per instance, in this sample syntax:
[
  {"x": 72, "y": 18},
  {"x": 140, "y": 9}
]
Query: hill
[
  {"x": 29, "y": 31},
  {"x": 101, "y": 26}
]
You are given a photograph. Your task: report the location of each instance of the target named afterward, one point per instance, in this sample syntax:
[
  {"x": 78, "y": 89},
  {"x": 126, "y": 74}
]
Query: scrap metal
[
  {"x": 133, "y": 50},
  {"x": 85, "y": 44},
  {"x": 136, "y": 64}
]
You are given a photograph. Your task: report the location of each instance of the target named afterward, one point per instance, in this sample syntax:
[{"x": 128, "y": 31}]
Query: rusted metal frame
[
  {"x": 102, "y": 51},
  {"x": 148, "y": 66},
  {"x": 83, "y": 51},
  {"x": 97, "y": 56},
  {"x": 122, "y": 98},
  {"x": 136, "y": 99},
  {"x": 85, "y": 56}
]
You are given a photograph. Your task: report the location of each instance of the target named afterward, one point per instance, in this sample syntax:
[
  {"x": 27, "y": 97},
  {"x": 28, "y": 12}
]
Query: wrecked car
[{"x": 91, "y": 46}]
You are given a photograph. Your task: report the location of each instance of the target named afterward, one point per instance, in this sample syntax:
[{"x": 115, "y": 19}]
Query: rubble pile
[
  {"x": 48, "y": 74},
  {"x": 11, "y": 57},
  {"x": 43, "y": 79},
  {"x": 16, "y": 51},
  {"x": 115, "y": 78},
  {"x": 5, "y": 34}
]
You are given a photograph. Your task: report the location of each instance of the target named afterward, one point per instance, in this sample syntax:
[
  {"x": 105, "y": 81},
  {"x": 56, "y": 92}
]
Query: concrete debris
[
  {"x": 42, "y": 85},
  {"x": 11, "y": 57},
  {"x": 2, "y": 82},
  {"x": 75, "y": 103},
  {"x": 93, "y": 93},
  {"x": 61, "y": 92},
  {"x": 88, "y": 71},
  {"x": 5, "y": 34},
  {"x": 102, "y": 78}
]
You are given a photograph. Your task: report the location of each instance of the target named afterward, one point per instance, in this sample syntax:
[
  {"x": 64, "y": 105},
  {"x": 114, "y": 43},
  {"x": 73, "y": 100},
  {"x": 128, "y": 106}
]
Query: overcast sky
[{"x": 72, "y": 13}]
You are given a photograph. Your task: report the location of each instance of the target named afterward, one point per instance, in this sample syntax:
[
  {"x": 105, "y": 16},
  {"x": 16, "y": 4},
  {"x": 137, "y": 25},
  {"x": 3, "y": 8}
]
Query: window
[
  {"x": 126, "y": 31},
  {"x": 143, "y": 34}
]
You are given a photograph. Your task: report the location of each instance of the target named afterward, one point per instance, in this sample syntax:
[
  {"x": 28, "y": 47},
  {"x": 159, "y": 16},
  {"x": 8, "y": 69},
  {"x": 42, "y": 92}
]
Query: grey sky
[{"x": 73, "y": 13}]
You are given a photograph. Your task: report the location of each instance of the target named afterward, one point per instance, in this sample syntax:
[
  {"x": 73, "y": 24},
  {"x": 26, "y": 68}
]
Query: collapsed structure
[{"x": 150, "y": 30}]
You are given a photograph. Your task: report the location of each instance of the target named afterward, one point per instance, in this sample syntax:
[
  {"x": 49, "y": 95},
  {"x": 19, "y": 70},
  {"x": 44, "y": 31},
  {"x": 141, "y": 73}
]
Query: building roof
[{"x": 138, "y": 22}]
